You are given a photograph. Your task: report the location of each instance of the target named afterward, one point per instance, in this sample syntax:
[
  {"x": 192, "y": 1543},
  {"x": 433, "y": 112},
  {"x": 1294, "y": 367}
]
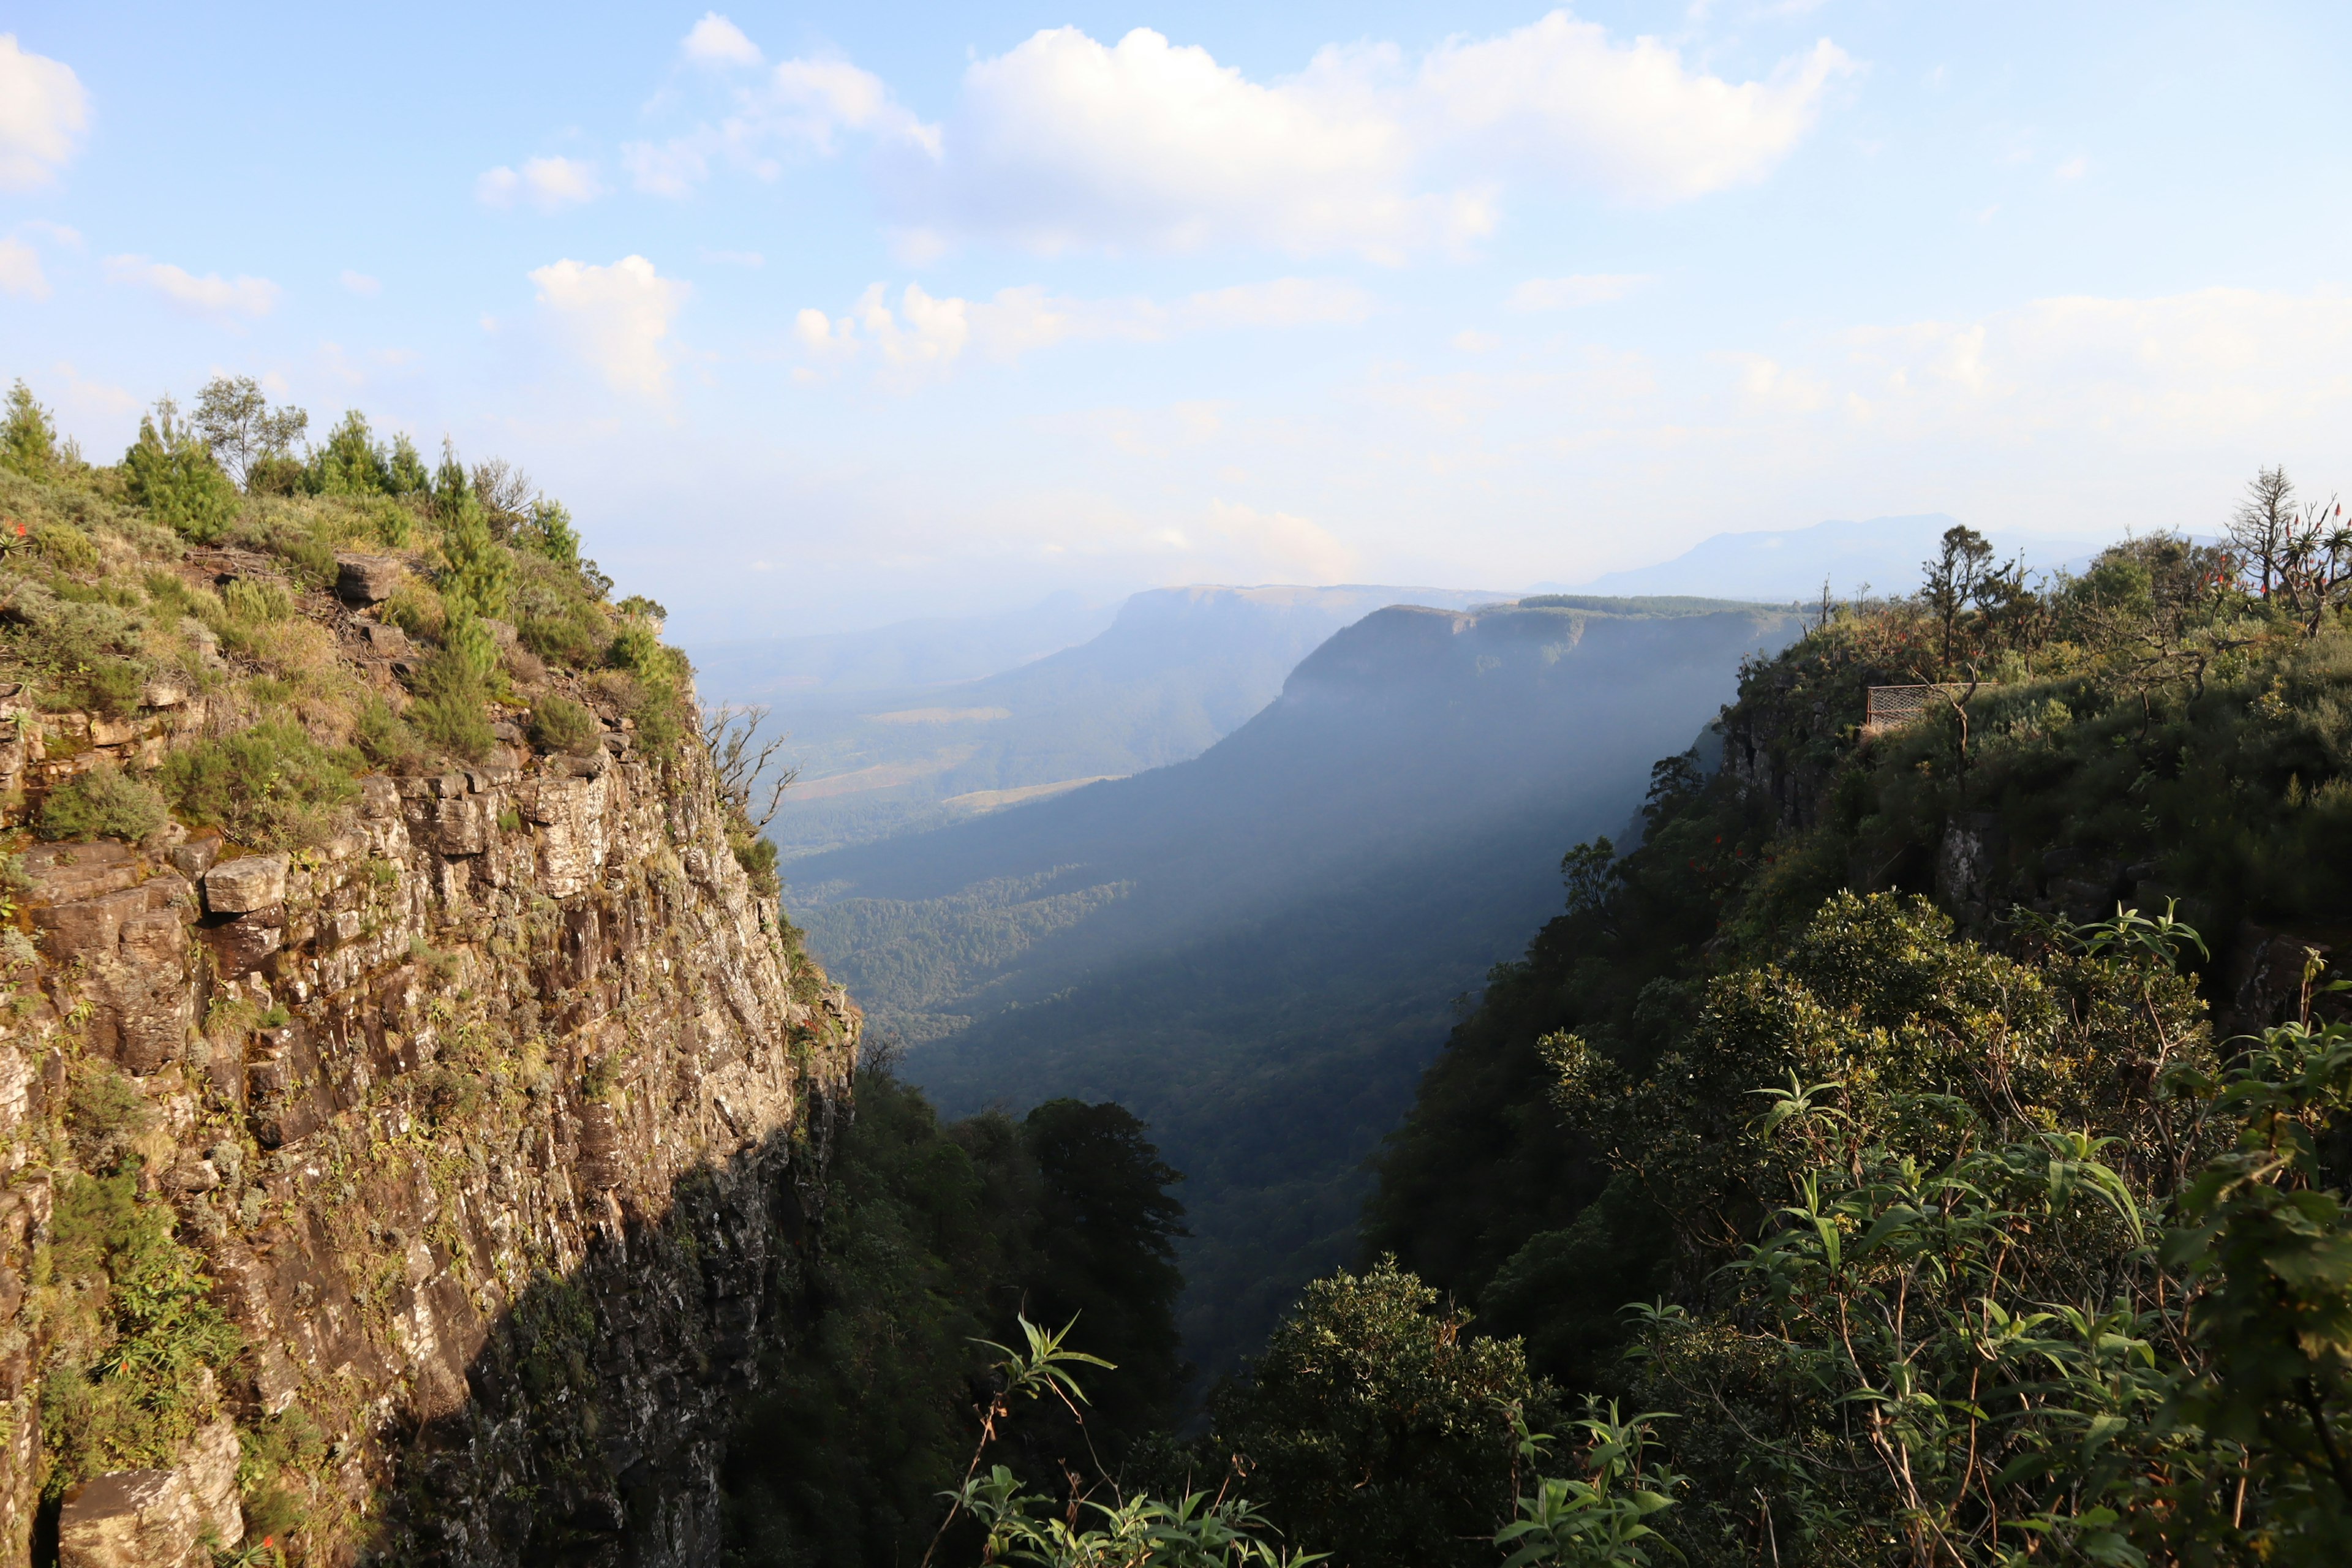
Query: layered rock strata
[{"x": 492, "y": 1122}]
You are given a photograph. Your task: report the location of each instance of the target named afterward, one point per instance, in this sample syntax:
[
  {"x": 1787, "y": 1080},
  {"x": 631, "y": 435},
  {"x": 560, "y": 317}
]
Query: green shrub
[
  {"x": 277, "y": 475},
  {"x": 560, "y": 725},
  {"x": 384, "y": 736},
  {"x": 172, "y": 475},
  {"x": 255, "y": 603},
  {"x": 349, "y": 463},
  {"x": 67, "y": 546},
  {"x": 156, "y": 1346},
  {"x": 417, "y": 610},
  {"x": 636, "y": 648},
  {"x": 104, "y": 802},
  {"x": 550, "y": 534},
  {"x": 103, "y": 1114},
  {"x": 448, "y": 710},
  {"x": 272, "y": 784},
  {"x": 572, "y": 636},
  {"x": 111, "y": 687},
  {"x": 28, "y": 440}
]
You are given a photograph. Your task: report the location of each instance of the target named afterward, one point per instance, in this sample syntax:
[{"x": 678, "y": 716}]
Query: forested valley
[{"x": 1924, "y": 1145}]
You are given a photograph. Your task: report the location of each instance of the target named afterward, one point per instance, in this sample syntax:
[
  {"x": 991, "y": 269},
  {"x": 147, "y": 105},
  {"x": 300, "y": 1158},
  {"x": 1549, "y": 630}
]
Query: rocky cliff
[{"x": 419, "y": 1190}]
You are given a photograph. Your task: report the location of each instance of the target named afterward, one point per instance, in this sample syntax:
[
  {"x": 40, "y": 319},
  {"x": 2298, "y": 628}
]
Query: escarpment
[{"x": 404, "y": 1143}]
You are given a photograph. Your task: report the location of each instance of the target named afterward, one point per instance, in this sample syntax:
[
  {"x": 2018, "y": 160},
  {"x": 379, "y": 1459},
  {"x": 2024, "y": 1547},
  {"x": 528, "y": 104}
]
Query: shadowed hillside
[{"x": 1258, "y": 950}]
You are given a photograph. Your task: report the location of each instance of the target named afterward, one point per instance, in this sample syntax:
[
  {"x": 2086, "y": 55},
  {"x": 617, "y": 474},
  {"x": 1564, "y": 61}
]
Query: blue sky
[{"x": 823, "y": 316}]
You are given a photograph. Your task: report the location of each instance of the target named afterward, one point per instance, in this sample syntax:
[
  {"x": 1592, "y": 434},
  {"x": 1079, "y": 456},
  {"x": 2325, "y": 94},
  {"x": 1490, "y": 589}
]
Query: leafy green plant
[
  {"x": 1601, "y": 1518},
  {"x": 1131, "y": 1531},
  {"x": 170, "y": 472},
  {"x": 560, "y": 725},
  {"x": 256, "y": 603},
  {"x": 1373, "y": 1423},
  {"x": 448, "y": 712},
  {"x": 104, "y": 802},
  {"x": 29, "y": 440},
  {"x": 133, "y": 1391},
  {"x": 270, "y": 784},
  {"x": 383, "y": 735}
]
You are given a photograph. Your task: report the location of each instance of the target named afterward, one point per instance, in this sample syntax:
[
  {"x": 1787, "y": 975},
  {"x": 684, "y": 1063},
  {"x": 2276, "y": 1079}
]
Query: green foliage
[
  {"x": 271, "y": 784},
  {"x": 1374, "y": 1425},
  {"x": 349, "y": 463},
  {"x": 1601, "y": 1518},
  {"x": 256, "y": 603},
  {"x": 450, "y": 695},
  {"x": 104, "y": 1112},
  {"x": 104, "y": 802},
  {"x": 934, "y": 1238},
  {"x": 251, "y": 442},
  {"x": 560, "y": 725},
  {"x": 170, "y": 472},
  {"x": 383, "y": 737},
  {"x": 29, "y": 440},
  {"x": 549, "y": 532},
  {"x": 145, "y": 1345},
  {"x": 2267, "y": 1237}
]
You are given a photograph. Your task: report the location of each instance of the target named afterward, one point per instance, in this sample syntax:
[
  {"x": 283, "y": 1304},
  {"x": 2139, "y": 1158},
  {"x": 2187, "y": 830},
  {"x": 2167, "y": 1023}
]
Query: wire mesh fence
[{"x": 1891, "y": 707}]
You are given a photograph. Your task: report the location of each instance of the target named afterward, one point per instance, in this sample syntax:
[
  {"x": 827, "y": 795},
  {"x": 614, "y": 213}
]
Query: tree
[
  {"x": 1107, "y": 1236},
  {"x": 350, "y": 463},
  {"x": 28, "y": 441},
  {"x": 2262, "y": 523},
  {"x": 1962, "y": 576},
  {"x": 240, "y": 427},
  {"x": 172, "y": 474},
  {"x": 1375, "y": 1427}
]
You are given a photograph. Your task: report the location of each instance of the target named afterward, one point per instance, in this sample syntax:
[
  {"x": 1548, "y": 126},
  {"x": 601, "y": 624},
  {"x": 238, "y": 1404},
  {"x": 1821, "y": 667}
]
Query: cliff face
[{"x": 486, "y": 1123}]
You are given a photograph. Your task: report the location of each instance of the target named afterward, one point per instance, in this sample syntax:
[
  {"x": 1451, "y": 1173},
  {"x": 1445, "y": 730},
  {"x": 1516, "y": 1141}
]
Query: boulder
[
  {"x": 248, "y": 883},
  {"x": 87, "y": 927},
  {"x": 130, "y": 1519},
  {"x": 209, "y": 1461},
  {"x": 61, "y": 872},
  {"x": 367, "y": 579},
  {"x": 195, "y": 857}
]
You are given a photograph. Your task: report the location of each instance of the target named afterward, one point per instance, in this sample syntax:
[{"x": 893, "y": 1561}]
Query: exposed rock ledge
[{"x": 490, "y": 1118}]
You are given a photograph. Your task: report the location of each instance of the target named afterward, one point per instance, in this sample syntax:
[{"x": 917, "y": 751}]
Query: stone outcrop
[{"x": 492, "y": 1120}]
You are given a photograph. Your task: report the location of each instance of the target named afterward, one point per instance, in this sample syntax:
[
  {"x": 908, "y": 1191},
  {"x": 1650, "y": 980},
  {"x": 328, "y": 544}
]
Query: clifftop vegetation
[{"x": 1958, "y": 1096}]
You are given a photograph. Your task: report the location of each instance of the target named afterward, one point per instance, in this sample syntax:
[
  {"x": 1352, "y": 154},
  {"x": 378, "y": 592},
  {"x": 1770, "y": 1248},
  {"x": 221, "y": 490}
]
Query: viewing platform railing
[{"x": 1891, "y": 707}]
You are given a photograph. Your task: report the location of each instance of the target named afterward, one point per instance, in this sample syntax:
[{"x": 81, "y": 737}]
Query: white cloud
[
  {"x": 2073, "y": 168},
  {"x": 928, "y": 334},
  {"x": 43, "y": 111},
  {"x": 548, "y": 184},
  {"x": 1568, "y": 293},
  {"x": 1289, "y": 544},
  {"x": 2218, "y": 364},
  {"x": 20, "y": 271},
  {"x": 55, "y": 233},
  {"x": 1064, "y": 142},
  {"x": 360, "y": 283},
  {"x": 1471, "y": 341},
  {"x": 616, "y": 318},
  {"x": 1560, "y": 97},
  {"x": 211, "y": 295},
  {"x": 798, "y": 106},
  {"x": 716, "y": 42}
]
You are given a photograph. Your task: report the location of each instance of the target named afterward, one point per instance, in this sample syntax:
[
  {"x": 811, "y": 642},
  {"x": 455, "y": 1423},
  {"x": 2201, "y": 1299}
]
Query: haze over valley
[{"x": 900, "y": 786}]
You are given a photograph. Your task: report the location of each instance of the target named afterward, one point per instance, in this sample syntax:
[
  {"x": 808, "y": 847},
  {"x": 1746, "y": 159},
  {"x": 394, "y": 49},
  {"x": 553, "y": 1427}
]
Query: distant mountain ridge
[
  {"x": 1789, "y": 565},
  {"x": 1175, "y": 669}
]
